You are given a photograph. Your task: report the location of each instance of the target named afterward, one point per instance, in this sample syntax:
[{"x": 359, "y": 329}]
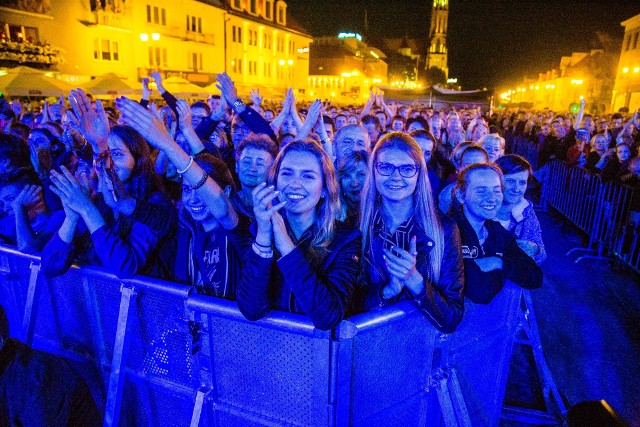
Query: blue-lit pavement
[{"x": 589, "y": 321}]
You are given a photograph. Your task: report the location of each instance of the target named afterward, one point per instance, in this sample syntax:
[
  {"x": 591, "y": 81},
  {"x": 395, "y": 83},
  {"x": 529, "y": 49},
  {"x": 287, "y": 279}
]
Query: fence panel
[
  {"x": 480, "y": 353},
  {"x": 392, "y": 363}
]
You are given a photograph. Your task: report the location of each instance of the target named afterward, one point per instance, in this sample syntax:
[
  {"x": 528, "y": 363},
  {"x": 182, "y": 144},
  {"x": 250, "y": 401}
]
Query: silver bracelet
[
  {"x": 261, "y": 253},
  {"x": 180, "y": 172}
]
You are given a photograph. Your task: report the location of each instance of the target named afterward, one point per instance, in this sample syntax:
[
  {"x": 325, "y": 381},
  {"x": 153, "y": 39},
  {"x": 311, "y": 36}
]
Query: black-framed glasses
[{"x": 406, "y": 171}]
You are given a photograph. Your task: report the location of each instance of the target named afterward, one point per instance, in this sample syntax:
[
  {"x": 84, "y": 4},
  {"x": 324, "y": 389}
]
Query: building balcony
[
  {"x": 199, "y": 37},
  {"x": 13, "y": 54},
  {"x": 112, "y": 19}
]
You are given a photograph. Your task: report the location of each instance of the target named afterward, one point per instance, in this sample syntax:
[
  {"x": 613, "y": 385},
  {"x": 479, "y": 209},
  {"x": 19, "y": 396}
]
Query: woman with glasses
[{"x": 409, "y": 250}]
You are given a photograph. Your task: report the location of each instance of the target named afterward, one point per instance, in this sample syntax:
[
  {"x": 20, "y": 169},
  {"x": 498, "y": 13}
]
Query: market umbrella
[
  {"x": 110, "y": 86},
  {"x": 182, "y": 88},
  {"x": 26, "y": 81}
]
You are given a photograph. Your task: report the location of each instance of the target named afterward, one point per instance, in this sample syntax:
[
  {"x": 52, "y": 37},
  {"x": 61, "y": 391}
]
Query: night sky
[{"x": 490, "y": 42}]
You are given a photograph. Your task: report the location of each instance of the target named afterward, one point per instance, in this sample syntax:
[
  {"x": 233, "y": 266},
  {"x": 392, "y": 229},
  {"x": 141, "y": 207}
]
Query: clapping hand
[
  {"x": 255, "y": 97},
  {"x": 401, "y": 266},
  {"x": 157, "y": 77},
  {"x": 184, "y": 114},
  {"x": 31, "y": 197},
  {"x": 227, "y": 88},
  {"x": 73, "y": 195},
  {"x": 147, "y": 122},
  {"x": 91, "y": 123},
  {"x": 146, "y": 91},
  {"x": 263, "y": 196}
]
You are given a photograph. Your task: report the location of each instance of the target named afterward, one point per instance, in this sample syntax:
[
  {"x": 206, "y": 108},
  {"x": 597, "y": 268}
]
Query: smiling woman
[
  {"x": 302, "y": 259},
  {"x": 491, "y": 254},
  {"x": 409, "y": 250}
]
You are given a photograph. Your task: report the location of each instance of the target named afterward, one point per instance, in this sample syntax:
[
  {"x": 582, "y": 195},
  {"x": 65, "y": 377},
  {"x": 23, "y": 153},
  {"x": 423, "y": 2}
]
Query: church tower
[{"x": 437, "y": 56}]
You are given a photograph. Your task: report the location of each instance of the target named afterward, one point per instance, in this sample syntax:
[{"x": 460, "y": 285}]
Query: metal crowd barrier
[
  {"x": 154, "y": 353},
  {"x": 602, "y": 211}
]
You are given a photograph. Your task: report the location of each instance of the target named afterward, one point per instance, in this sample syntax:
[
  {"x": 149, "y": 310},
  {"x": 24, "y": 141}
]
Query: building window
[
  {"x": 158, "y": 56},
  {"x": 156, "y": 15},
  {"x": 194, "y": 24},
  {"x": 195, "y": 61},
  {"x": 19, "y": 33},
  {"x": 635, "y": 40},
  {"x": 267, "y": 10},
  {"x": 253, "y": 6},
  {"x": 281, "y": 15},
  {"x": 237, "y": 4},
  {"x": 106, "y": 50},
  {"x": 628, "y": 42},
  {"x": 233, "y": 33},
  {"x": 239, "y": 35}
]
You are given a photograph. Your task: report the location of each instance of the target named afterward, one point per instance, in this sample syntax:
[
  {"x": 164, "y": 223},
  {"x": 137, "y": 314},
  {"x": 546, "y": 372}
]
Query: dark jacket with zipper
[
  {"x": 517, "y": 266},
  {"x": 317, "y": 283},
  {"x": 442, "y": 303}
]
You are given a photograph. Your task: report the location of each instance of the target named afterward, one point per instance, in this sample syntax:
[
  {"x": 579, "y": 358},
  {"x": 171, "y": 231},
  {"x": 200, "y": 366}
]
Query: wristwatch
[{"x": 237, "y": 104}]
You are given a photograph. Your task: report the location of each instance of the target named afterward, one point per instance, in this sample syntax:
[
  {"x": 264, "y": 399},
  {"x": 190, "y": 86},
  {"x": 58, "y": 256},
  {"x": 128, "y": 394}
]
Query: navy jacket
[
  {"x": 442, "y": 303},
  {"x": 318, "y": 285},
  {"x": 517, "y": 266}
]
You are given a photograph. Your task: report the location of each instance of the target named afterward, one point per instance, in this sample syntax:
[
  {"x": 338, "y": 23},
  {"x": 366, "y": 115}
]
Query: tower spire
[{"x": 437, "y": 55}]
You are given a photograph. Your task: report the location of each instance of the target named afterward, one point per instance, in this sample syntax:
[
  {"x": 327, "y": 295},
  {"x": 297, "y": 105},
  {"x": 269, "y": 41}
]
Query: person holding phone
[
  {"x": 302, "y": 260},
  {"x": 410, "y": 251}
]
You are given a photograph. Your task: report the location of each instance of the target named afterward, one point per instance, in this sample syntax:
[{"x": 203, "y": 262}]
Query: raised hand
[
  {"x": 255, "y": 97},
  {"x": 281, "y": 238},
  {"x": 112, "y": 189},
  {"x": 227, "y": 88},
  {"x": 73, "y": 195},
  {"x": 91, "y": 123},
  {"x": 147, "y": 122},
  {"x": 184, "y": 113},
  {"x": 220, "y": 111},
  {"x": 31, "y": 197},
  {"x": 400, "y": 263},
  {"x": 45, "y": 112},
  {"x": 146, "y": 91},
  {"x": 311, "y": 120},
  {"x": 264, "y": 210},
  {"x": 157, "y": 77}
]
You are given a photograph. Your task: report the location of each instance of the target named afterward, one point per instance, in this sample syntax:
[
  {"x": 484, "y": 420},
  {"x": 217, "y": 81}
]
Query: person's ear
[
  {"x": 459, "y": 195},
  {"x": 227, "y": 190}
]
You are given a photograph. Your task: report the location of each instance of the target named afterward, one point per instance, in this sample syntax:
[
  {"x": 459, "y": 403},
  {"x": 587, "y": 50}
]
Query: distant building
[
  {"x": 437, "y": 55},
  {"x": 626, "y": 92},
  {"x": 587, "y": 75},
  {"x": 344, "y": 68},
  {"x": 253, "y": 40}
]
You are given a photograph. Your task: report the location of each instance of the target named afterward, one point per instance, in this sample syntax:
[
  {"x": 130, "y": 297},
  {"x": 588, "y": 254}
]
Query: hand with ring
[{"x": 401, "y": 265}]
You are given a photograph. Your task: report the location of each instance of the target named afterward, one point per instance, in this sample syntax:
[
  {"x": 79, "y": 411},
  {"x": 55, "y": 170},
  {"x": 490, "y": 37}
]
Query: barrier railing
[
  {"x": 603, "y": 211},
  {"x": 156, "y": 354}
]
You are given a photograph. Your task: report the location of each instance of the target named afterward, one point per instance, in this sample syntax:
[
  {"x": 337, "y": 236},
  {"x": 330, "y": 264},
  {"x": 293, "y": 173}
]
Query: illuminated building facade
[
  {"x": 253, "y": 40},
  {"x": 344, "y": 68},
  {"x": 626, "y": 92},
  {"x": 587, "y": 75},
  {"x": 437, "y": 54}
]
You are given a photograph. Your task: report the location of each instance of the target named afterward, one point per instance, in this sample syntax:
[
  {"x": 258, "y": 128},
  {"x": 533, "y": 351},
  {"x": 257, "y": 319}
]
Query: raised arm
[{"x": 149, "y": 125}]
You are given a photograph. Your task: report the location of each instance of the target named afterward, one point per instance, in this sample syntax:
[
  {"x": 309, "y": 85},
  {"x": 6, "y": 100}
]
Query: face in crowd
[
  {"x": 482, "y": 196},
  {"x": 351, "y": 138}
]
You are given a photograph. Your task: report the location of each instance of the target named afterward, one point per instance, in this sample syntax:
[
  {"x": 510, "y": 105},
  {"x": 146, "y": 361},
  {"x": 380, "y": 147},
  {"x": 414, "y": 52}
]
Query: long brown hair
[{"x": 425, "y": 212}]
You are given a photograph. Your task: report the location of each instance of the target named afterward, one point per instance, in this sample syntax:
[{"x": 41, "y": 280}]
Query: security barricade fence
[
  {"x": 156, "y": 353},
  {"x": 607, "y": 213}
]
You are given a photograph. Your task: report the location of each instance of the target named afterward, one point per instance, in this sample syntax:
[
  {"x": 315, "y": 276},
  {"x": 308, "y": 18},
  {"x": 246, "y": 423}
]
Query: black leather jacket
[{"x": 442, "y": 302}]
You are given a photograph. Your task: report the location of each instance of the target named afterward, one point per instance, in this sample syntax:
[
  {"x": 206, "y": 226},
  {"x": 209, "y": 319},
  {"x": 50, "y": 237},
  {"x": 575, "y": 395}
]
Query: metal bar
[
  {"x": 31, "y": 305},
  {"x": 118, "y": 364},
  {"x": 458, "y": 400},
  {"x": 96, "y": 328},
  {"x": 197, "y": 407}
]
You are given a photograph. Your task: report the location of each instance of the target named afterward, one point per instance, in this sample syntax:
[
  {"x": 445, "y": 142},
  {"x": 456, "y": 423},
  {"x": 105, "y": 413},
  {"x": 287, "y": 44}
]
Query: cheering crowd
[{"x": 307, "y": 208}]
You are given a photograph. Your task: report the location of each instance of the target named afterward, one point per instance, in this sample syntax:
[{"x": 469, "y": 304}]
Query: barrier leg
[
  {"x": 31, "y": 305},
  {"x": 556, "y": 410},
  {"x": 118, "y": 364},
  {"x": 454, "y": 410},
  {"x": 197, "y": 408},
  {"x": 96, "y": 329}
]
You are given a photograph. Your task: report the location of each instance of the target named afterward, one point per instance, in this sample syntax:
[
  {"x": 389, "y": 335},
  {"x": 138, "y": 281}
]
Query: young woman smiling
[
  {"x": 491, "y": 254},
  {"x": 409, "y": 250},
  {"x": 302, "y": 260}
]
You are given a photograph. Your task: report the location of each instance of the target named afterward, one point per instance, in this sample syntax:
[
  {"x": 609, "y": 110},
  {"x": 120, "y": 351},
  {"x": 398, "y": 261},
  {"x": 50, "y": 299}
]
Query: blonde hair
[
  {"x": 425, "y": 213},
  {"x": 328, "y": 207}
]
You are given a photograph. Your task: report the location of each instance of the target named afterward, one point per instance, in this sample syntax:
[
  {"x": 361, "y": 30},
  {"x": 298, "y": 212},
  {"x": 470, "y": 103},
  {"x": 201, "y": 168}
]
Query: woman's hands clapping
[
  {"x": 401, "y": 266},
  {"x": 92, "y": 123}
]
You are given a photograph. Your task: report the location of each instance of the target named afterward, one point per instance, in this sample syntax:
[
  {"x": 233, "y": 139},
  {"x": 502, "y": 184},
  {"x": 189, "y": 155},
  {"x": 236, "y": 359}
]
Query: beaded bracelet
[{"x": 201, "y": 182}]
